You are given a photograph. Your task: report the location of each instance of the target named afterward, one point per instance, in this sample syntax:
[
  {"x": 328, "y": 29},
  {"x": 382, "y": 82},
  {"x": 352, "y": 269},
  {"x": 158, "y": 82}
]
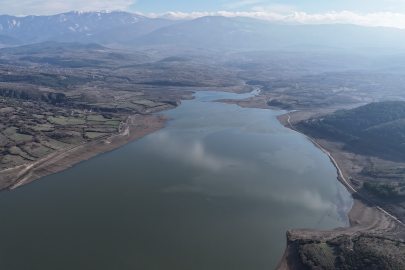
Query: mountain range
[
  {"x": 239, "y": 32},
  {"x": 87, "y": 27}
]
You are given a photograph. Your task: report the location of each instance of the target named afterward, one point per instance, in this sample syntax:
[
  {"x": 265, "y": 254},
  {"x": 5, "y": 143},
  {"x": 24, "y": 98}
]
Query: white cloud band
[{"x": 387, "y": 19}]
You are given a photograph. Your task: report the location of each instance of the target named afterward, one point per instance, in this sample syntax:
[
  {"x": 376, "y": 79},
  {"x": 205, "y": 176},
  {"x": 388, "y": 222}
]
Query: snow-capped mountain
[
  {"x": 74, "y": 26},
  {"x": 215, "y": 31}
]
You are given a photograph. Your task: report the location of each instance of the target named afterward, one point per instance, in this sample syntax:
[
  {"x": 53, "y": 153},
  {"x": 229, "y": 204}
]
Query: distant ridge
[
  {"x": 51, "y": 47},
  {"x": 77, "y": 26},
  {"x": 239, "y": 32},
  {"x": 174, "y": 59},
  {"x": 212, "y": 31},
  {"x": 10, "y": 41}
]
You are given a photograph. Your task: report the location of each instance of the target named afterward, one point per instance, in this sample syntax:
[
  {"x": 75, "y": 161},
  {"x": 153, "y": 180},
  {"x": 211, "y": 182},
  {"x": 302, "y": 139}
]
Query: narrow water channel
[{"x": 216, "y": 189}]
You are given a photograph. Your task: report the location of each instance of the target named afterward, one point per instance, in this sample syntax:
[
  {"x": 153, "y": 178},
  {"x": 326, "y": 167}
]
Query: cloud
[
  {"x": 190, "y": 152},
  {"x": 387, "y": 19},
  {"x": 50, "y": 7},
  {"x": 275, "y": 8},
  {"x": 180, "y": 15},
  {"x": 242, "y": 3},
  {"x": 194, "y": 15},
  {"x": 300, "y": 157},
  {"x": 305, "y": 198}
]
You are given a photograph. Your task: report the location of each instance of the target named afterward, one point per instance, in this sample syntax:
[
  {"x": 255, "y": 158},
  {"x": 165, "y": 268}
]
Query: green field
[
  {"x": 61, "y": 120},
  {"x": 46, "y": 127},
  {"x": 114, "y": 123},
  {"x": 98, "y": 117},
  {"x": 12, "y": 133},
  {"x": 12, "y": 160},
  {"x": 92, "y": 135},
  {"x": 17, "y": 151},
  {"x": 37, "y": 150}
]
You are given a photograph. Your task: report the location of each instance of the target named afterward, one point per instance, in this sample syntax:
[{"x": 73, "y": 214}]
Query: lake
[{"x": 216, "y": 189}]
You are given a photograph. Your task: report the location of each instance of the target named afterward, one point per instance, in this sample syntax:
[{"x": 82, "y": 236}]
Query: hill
[
  {"x": 10, "y": 41},
  {"x": 381, "y": 123}
]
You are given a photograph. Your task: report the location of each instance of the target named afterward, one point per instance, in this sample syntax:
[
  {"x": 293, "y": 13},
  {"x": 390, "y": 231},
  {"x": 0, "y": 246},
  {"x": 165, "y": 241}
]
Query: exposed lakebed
[{"x": 216, "y": 189}]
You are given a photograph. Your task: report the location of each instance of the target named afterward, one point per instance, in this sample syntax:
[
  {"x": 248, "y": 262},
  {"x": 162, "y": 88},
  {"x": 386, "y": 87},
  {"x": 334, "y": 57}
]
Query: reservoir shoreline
[
  {"x": 365, "y": 216},
  {"x": 136, "y": 127}
]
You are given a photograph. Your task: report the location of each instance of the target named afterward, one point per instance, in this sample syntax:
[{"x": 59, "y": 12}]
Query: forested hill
[{"x": 380, "y": 123}]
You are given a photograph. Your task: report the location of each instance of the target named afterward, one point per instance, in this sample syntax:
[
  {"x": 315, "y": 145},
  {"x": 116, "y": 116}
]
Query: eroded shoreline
[{"x": 365, "y": 216}]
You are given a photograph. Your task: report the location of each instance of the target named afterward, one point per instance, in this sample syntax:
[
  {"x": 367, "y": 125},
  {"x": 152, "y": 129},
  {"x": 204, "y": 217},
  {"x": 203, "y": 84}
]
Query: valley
[{"x": 132, "y": 82}]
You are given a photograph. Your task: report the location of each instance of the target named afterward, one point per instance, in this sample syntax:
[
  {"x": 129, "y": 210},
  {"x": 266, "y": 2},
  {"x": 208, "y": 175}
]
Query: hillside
[
  {"x": 381, "y": 123},
  {"x": 9, "y": 41},
  {"x": 355, "y": 252}
]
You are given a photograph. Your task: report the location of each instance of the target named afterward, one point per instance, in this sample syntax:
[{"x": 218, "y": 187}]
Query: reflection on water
[{"x": 216, "y": 189}]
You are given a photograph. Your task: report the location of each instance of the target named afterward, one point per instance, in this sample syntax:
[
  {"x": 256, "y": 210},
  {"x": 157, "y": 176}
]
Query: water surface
[{"x": 216, "y": 189}]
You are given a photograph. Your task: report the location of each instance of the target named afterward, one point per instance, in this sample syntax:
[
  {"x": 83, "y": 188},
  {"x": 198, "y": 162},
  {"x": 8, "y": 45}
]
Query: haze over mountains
[
  {"x": 132, "y": 29},
  {"x": 10, "y": 41},
  {"x": 79, "y": 26}
]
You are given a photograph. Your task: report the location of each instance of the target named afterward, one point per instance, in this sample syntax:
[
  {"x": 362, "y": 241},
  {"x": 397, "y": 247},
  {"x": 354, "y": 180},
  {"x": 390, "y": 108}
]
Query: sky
[
  {"x": 284, "y": 6},
  {"x": 363, "y": 12}
]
